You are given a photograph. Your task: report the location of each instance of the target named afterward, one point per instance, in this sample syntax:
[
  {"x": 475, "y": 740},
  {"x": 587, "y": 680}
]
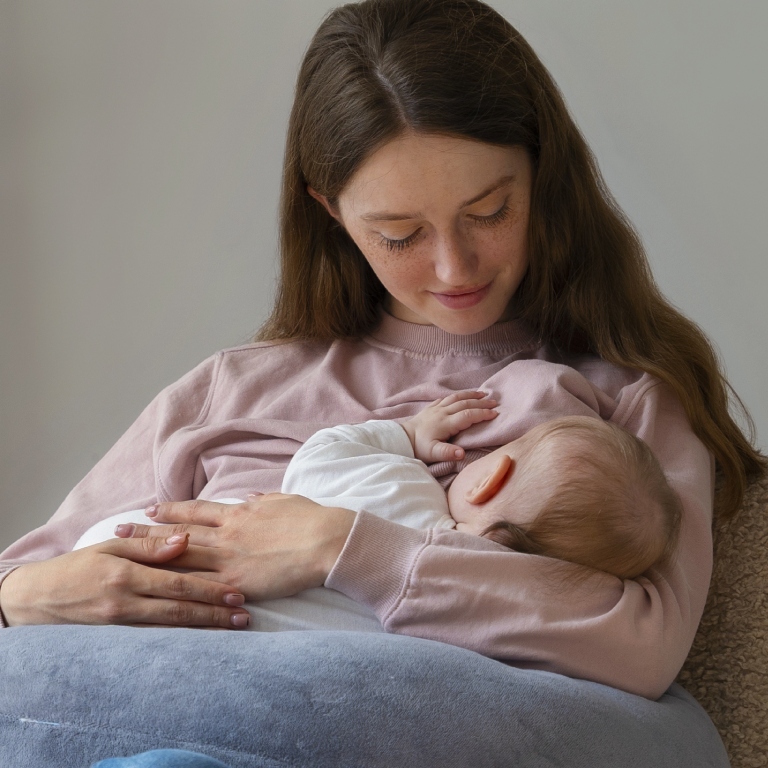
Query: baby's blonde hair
[{"x": 601, "y": 496}]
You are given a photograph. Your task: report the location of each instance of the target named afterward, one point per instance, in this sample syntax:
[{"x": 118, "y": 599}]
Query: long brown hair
[{"x": 378, "y": 68}]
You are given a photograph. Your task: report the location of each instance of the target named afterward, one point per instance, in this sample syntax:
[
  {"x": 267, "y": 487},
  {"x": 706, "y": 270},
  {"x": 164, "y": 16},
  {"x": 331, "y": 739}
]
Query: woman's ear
[
  {"x": 323, "y": 200},
  {"x": 493, "y": 482}
]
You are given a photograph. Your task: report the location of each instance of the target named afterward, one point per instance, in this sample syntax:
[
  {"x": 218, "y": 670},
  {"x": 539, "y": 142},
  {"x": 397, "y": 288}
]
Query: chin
[
  {"x": 465, "y": 326},
  {"x": 454, "y": 321}
]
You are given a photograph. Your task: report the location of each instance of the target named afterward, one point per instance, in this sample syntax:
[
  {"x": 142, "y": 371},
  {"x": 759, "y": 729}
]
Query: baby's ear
[{"x": 493, "y": 482}]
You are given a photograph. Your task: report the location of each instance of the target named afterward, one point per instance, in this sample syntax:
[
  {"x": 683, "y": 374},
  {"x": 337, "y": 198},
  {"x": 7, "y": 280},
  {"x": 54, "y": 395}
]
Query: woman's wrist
[
  {"x": 339, "y": 522},
  {"x": 8, "y": 612},
  {"x": 3, "y": 621}
]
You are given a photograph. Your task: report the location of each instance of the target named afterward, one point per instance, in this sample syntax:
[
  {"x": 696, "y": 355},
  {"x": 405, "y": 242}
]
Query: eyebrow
[{"x": 384, "y": 216}]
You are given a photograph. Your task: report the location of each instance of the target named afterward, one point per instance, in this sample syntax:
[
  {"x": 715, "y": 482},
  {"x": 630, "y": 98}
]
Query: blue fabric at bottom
[
  {"x": 162, "y": 758},
  {"x": 73, "y": 695}
]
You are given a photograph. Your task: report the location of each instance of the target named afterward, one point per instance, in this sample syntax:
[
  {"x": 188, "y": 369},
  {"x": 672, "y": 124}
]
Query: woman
[{"x": 441, "y": 217}]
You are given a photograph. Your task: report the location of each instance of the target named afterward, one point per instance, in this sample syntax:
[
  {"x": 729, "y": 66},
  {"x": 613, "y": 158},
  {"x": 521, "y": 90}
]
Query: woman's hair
[
  {"x": 597, "y": 496},
  {"x": 379, "y": 68}
]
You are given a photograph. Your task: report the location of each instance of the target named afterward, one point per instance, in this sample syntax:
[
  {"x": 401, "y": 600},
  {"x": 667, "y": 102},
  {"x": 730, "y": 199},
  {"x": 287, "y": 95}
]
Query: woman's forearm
[{"x": 467, "y": 591}]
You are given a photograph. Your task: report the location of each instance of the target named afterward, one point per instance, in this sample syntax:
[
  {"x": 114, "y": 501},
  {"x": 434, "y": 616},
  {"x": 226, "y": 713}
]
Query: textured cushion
[
  {"x": 727, "y": 669},
  {"x": 72, "y": 695}
]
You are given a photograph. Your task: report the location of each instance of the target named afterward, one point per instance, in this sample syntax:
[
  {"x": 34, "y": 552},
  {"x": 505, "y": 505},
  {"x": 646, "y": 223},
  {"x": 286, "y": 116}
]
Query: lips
[{"x": 463, "y": 300}]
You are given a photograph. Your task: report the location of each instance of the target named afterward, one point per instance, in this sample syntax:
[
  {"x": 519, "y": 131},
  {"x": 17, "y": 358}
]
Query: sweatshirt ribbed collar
[{"x": 502, "y": 338}]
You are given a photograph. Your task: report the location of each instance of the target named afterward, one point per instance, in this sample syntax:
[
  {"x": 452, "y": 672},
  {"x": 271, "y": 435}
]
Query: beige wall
[{"x": 140, "y": 149}]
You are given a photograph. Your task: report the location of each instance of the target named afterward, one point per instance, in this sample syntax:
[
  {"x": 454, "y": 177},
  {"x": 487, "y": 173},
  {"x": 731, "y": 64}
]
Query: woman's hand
[
  {"x": 114, "y": 583},
  {"x": 271, "y": 546}
]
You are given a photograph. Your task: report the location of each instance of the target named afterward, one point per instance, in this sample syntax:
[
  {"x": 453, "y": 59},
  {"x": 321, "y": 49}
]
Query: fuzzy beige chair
[{"x": 727, "y": 669}]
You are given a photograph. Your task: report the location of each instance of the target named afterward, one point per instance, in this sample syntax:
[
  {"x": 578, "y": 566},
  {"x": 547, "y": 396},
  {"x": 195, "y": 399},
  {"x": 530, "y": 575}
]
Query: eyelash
[
  {"x": 483, "y": 221},
  {"x": 399, "y": 245},
  {"x": 494, "y": 218}
]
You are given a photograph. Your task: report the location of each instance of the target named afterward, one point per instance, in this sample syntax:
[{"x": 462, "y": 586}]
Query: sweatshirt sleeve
[
  {"x": 336, "y": 458},
  {"x": 467, "y": 591},
  {"x": 126, "y": 478},
  {"x": 369, "y": 467}
]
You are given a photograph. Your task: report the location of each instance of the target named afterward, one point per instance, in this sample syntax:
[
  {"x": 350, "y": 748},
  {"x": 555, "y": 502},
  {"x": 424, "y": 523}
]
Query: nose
[{"x": 455, "y": 261}]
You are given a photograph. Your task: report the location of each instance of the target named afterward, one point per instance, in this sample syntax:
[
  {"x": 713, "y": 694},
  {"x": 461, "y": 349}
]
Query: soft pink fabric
[{"x": 231, "y": 425}]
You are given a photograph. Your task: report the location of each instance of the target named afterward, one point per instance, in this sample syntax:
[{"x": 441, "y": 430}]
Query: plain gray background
[{"x": 140, "y": 152}]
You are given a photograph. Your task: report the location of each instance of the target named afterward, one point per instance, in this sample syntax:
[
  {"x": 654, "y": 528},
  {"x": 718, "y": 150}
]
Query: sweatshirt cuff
[{"x": 376, "y": 562}]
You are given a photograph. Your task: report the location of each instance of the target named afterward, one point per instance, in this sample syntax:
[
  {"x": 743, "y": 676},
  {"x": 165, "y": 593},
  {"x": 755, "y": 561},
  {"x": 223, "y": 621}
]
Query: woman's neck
[{"x": 501, "y": 338}]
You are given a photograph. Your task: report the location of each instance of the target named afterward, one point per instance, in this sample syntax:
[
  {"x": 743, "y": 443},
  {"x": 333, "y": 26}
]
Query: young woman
[{"x": 441, "y": 217}]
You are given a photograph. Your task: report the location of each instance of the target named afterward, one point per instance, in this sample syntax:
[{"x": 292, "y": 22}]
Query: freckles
[
  {"x": 401, "y": 270},
  {"x": 392, "y": 267},
  {"x": 508, "y": 238}
]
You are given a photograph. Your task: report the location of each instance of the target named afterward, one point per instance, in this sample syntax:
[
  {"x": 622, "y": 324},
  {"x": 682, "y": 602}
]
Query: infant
[{"x": 574, "y": 488}]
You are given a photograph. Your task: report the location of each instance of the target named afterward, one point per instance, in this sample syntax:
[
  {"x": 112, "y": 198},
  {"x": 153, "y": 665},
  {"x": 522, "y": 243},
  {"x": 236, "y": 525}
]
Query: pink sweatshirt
[{"x": 231, "y": 425}]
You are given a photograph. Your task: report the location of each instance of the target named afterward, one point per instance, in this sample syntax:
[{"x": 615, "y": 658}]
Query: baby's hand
[{"x": 438, "y": 422}]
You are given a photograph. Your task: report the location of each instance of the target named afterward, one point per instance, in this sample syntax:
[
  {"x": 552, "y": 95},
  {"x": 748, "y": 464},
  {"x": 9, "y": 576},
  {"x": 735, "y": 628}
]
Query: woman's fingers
[
  {"x": 190, "y": 600},
  {"x": 115, "y": 583},
  {"x": 198, "y": 534},
  {"x": 204, "y": 559},
  {"x": 196, "y": 512},
  {"x": 184, "y": 613},
  {"x": 148, "y": 549},
  {"x": 185, "y": 586},
  {"x": 155, "y": 596},
  {"x": 179, "y": 600}
]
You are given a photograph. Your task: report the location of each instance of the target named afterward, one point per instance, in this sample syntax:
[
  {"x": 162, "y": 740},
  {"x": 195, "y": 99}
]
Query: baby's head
[{"x": 575, "y": 488}]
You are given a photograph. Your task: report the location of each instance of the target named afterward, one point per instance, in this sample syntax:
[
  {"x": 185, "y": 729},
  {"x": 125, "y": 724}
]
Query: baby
[{"x": 574, "y": 488}]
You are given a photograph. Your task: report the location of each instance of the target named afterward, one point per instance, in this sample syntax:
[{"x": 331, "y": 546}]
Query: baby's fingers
[
  {"x": 457, "y": 397},
  {"x": 445, "y": 452},
  {"x": 469, "y": 403},
  {"x": 466, "y": 418}
]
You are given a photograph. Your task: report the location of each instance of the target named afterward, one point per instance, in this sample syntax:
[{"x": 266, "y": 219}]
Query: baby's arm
[{"x": 430, "y": 430}]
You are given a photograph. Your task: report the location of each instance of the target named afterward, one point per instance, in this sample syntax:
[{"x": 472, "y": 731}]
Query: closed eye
[
  {"x": 392, "y": 244},
  {"x": 398, "y": 245},
  {"x": 494, "y": 218}
]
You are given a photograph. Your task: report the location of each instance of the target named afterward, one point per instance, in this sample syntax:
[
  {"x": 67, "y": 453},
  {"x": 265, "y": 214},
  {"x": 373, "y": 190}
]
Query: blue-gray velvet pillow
[{"x": 72, "y": 695}]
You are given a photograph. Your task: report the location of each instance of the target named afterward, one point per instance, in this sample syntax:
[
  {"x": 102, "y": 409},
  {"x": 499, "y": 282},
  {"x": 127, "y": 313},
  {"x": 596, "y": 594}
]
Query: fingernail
[
  {"x": 458, "y": 453},
  {"x": 232, "y": 598},
  {"x": 125, "y": 530},
  {"x": 151, "y": 511},
  {"x": 240, "y": 620},
  {"x": 177, "y": 538}
]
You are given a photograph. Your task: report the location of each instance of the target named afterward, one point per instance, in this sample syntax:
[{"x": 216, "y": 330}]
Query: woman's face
[{"x": 443, "y": 222}]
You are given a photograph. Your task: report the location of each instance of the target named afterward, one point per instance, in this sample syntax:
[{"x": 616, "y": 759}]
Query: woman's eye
[
  {"x": 394, "y": 244},
  {"x": 494, "y": 218},
  {"x": 398, "y": 245}
]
